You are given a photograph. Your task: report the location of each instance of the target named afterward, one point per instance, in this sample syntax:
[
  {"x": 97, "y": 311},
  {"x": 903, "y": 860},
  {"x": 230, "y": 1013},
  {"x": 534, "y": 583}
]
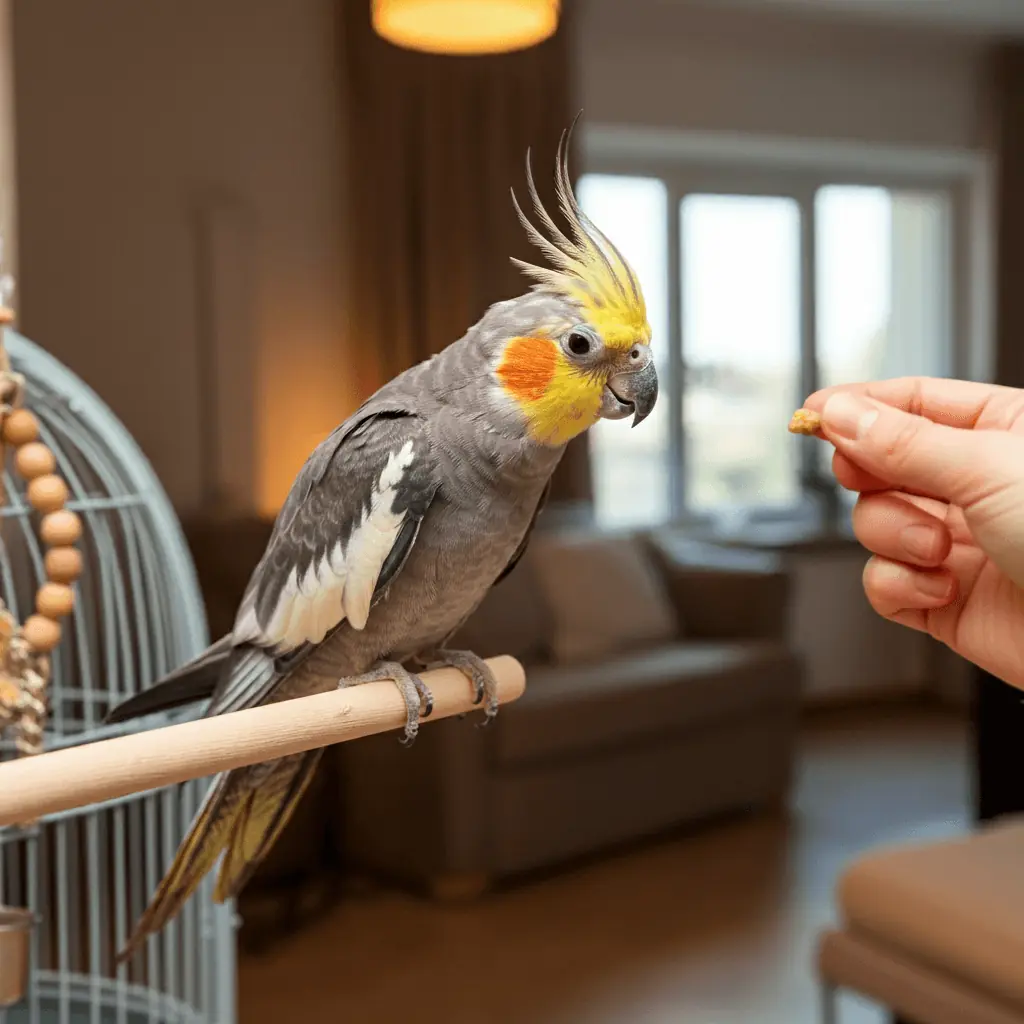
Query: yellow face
[
  {"x": 564, "y": 381},
  {"x": 567, "y": 376}
]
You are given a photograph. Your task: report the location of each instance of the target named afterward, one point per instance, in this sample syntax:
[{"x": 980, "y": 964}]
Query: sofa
[{"x": 660, "y": 693}]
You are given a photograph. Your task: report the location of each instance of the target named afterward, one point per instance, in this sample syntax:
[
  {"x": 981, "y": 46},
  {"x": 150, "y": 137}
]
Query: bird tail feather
[
  {"x": 188, "y": 684},
  {"x": 242, "y": 816},
  {"x": 268, "y": 810}
]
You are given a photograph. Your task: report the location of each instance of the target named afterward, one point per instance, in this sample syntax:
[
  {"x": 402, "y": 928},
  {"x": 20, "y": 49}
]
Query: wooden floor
[{"x": 713, "y": 928}]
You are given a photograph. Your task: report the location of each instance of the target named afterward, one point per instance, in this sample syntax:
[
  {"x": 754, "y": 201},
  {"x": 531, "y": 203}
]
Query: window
[
  {"x": 761, "y": 285},
  {"x": 882, "y": 290},
  {"x": 741, "y": 349},
  {"x": 629, "y": 467},
  {"x": 882, "y": 283}
]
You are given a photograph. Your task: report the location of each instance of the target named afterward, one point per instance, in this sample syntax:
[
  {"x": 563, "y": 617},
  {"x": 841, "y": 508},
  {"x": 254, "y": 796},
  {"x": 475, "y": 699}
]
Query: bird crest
[{"x": 586, "y": 268}]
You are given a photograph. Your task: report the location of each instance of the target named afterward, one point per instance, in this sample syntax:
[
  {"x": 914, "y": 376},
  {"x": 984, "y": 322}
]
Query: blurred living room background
[{"x": 236, "y": 218}]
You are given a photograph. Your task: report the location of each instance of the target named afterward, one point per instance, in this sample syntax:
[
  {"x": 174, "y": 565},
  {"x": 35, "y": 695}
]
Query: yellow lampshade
[{"x": 465, "y": 26}]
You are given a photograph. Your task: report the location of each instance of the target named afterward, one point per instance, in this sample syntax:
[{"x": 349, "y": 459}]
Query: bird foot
[
  {"x": 419, "y": 701},
  {"x": 477, "y": 671}
]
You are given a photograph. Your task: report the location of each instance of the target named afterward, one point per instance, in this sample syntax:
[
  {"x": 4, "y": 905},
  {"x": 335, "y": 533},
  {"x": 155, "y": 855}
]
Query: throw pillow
[{"x": 604, "y": 593}]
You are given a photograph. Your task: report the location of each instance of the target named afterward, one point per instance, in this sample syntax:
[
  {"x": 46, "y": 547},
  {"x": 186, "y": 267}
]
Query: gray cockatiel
[{"x": 400, "y": 522}]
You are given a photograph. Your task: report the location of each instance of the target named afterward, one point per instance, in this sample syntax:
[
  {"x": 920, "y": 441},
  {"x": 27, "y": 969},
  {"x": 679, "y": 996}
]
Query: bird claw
[
  {"x": 478, "y": 672},
  {"x": 419, "y": 701}
]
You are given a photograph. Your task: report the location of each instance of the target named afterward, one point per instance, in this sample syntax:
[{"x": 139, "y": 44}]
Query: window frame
[{"x": 718, "y": 163}]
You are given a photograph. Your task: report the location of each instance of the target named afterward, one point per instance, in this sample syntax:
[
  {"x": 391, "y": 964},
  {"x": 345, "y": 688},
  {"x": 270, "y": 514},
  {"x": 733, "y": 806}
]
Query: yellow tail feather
[
  {"x": 262, "y": 820},
  {"x": 242, "y": 818}
]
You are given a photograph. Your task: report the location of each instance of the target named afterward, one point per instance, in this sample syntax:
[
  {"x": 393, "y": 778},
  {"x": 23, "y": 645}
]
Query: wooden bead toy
[
  {"x": 61, "y": 529},
  {"x": 20, "y": 427},
  {"x": 63, "y": 564},
  {"x": 41, "y": 634},
  {"x": 34, "y": 459},
  {"x": 47, "y": 493},
  {"x": 55, "y": 600},
  {"x": 24, "y": 652}
]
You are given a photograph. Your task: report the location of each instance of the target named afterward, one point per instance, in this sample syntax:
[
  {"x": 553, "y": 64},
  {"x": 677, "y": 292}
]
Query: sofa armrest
[{"x": 722, "y": 593}]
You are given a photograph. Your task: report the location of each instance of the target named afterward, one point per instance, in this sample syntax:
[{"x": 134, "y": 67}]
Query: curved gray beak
[{"x": 635, "y": 391}]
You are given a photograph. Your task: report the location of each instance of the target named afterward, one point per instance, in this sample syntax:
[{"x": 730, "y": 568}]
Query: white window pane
[
  {"x": 883, "y": 285},
  {"x": 629, "y": 466},
  {"x": 741, "y": 348}
]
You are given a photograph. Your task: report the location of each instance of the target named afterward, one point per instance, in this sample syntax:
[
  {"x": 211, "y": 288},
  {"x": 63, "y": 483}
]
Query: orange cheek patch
[{"x": 528, "y": 367}]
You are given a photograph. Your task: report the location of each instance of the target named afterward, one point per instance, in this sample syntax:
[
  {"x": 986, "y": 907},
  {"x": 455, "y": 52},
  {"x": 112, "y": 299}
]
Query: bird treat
[{"x": 805, "y": 421}]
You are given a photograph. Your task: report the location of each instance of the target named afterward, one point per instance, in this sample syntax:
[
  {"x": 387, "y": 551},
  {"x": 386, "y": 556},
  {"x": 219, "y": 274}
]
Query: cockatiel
[{"x": 403, "y": 518}]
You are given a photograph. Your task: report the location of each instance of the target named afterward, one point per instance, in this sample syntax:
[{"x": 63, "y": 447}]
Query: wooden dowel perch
[{"x": 107, "y": 769}]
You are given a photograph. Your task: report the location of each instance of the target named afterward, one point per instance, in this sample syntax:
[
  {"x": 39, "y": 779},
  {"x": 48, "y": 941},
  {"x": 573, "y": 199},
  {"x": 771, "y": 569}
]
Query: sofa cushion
[
  {"x": 604, "y": 593},
  {"x": 512, "y": 619},
  {"x": 631, "y": 697}
]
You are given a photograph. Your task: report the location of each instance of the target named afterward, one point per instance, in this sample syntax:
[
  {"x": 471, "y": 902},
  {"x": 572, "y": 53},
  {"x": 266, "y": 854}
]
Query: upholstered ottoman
[{"x": 934, "y": 931}]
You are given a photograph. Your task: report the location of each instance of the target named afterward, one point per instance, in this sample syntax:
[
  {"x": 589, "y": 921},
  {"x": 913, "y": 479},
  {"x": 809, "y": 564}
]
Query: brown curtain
[
  {"x": 434, "y": 145},
  {"x": 1006, "y": 139},
  {"x": 998, "y": 714}
]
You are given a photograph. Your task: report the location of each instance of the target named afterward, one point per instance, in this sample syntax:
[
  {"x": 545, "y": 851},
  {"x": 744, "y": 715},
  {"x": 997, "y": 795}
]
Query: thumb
[{"x": 976, "y": 470}]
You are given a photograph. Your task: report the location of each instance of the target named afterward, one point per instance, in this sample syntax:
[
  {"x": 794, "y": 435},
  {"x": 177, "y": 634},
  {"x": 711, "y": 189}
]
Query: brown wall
[
  {"x": 128, "y": 115},
  {"x": 8, "y": 195}
]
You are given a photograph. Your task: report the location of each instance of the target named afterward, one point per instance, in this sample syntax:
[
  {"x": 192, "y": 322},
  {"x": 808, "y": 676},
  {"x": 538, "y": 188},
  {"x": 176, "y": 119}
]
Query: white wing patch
[{"x": 341, "y": 585}]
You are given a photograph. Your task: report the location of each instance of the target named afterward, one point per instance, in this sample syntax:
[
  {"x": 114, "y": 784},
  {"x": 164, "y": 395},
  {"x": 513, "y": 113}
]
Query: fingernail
[
  {"x": 933, "y": 585},
  {"x": 921, "y": 541},
  {"x": 848, "y": 415}
]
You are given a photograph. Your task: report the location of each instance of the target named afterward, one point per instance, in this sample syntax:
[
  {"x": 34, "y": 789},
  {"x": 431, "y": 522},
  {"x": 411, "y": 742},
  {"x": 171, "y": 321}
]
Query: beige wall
[
  {"x": 668, "y": 63},
  {"x": 129, "y": 115}
]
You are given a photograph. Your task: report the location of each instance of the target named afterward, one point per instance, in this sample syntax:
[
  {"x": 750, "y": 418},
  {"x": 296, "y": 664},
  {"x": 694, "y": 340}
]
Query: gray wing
[{"x": 344, "y": 533}]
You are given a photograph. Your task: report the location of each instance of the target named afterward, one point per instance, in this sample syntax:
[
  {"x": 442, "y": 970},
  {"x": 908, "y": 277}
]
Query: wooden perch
[{"x": 32, "y": 787}]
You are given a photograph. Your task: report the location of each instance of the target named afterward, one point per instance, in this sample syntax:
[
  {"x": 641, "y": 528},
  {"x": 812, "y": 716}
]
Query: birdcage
[{"x": 72, "y": 885}]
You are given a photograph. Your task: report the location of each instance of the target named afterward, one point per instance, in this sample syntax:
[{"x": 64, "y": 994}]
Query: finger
[
  {"x": 965, "y": 563},
  {"x": 900, "y": 530},
  {"x": 953, "y": 403},
  {"x": 909, "y": 452},
  {"x": 893, "y": 588},
  {"x": 951, "y": 516},
  {"x": 918, "y": 619},
  {"x": 851, "y": 477}
]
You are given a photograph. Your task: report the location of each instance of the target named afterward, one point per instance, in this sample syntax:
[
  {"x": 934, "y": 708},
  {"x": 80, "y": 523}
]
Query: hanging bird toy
[{"x": 26, "y": 648}]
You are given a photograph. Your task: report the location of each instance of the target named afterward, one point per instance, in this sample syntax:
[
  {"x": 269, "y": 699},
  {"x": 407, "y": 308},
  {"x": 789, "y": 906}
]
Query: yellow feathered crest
[{"x": 588, "y": 269}]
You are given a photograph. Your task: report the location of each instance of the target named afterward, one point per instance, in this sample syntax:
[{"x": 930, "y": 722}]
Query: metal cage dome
[{"x": 87, "y": 875}]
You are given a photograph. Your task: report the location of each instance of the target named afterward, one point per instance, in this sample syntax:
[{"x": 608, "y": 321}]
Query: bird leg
[
  {"x": 417, "y": 696},
  {"x": 476, "y": 670}
]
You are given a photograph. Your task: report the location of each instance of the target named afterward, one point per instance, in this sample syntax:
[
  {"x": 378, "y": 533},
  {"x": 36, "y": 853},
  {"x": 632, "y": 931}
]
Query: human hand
[{"x": 939, "y": 466}]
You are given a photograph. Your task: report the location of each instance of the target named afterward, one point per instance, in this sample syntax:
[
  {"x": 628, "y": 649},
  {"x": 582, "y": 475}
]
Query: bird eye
[{"x": 579, "y": 343}]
